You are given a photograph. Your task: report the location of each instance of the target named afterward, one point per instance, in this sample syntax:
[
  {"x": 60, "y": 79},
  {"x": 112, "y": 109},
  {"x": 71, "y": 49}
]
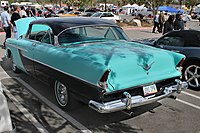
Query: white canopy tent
[{"x": 129, "y": 8}]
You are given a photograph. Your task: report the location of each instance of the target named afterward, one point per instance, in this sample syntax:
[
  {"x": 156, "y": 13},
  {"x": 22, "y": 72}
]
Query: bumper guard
[{"x": 133, "y": 101}]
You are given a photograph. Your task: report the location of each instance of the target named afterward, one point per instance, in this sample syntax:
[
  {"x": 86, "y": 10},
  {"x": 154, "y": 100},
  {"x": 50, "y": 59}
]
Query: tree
[
  {"x": 191, "y": 3},
  {"x": 155, "y": 4}
]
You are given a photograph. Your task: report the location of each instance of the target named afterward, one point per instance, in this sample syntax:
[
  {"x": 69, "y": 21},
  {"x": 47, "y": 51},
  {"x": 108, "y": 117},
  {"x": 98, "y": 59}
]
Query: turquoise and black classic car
[{"x": 93, "y": 60}]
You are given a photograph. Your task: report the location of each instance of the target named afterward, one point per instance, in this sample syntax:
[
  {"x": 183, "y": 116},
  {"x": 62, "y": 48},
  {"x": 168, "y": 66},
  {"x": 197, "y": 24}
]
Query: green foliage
[{"x": 191, "y": 3}]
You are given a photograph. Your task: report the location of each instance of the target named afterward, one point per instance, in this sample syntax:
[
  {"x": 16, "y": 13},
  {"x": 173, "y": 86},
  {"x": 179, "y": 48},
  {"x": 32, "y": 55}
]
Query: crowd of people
[
  {"x": 8, "y": 21},
  {"x": 165, "y": 22}
]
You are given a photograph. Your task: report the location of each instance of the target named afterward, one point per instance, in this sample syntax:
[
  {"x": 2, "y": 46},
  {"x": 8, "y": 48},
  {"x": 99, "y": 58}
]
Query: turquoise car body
[{"x": 126, "y": 64}]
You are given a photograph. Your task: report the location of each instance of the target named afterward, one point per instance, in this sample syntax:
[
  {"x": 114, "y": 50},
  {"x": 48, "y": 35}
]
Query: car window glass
[
  {"x": 109, "y": 15},
  {"x": 41, "y": 33},
  {"x": 96, "y": 15},
  {"x": 171, "y": 41},
  {"x": 103, "y": 15},
  {"x": 90, "y": 33},
  {"x": 48, "y": 38},
  {"x": 110, "y": 34}
]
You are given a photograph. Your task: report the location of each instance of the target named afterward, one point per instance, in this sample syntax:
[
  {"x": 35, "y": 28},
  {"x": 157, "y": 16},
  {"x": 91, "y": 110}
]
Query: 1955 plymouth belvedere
[{"x": 94, "y": 60}]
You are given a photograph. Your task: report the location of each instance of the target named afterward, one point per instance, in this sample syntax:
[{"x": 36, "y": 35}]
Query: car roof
[
  {"x": 190, "y": 36},
  {"x": 59, "y": 24}
]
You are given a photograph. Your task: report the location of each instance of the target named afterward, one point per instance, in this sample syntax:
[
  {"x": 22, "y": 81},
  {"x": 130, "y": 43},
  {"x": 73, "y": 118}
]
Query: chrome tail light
[{"x": 103, "y": 81}]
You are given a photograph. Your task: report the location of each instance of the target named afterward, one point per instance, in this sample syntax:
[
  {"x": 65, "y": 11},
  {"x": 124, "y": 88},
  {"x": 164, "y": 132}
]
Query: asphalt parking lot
[{"x": 34, "y": 109}]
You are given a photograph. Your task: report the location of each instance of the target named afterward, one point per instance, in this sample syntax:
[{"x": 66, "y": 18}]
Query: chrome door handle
[{"x": 33, "y": 44}]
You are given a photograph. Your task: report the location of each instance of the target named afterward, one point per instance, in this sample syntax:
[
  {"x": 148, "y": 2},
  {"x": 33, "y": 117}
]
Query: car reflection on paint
[{"x": 93, "y": 60}]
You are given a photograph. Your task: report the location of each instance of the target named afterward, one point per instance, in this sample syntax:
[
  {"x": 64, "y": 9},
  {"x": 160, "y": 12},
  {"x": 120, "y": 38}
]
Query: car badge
[{"x": 146, "y": 67}]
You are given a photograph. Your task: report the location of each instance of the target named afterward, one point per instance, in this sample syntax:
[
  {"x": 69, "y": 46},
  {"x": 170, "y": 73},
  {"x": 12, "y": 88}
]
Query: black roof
[
  {"x": 190, "y": 36},
  {"x": 59, "y": 24}
]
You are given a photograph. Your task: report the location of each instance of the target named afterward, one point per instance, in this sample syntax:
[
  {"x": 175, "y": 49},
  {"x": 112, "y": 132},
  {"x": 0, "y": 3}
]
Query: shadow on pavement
[
  {"x": 42, "y": 113},
  {"x": 96, "y": 122}
]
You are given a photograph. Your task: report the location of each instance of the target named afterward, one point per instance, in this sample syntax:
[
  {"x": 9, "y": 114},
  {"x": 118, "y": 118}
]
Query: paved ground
[{"x": 33, "y": 107}]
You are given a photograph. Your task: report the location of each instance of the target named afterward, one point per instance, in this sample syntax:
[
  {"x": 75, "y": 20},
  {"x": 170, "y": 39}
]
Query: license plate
[{"x": 150, "y": 89}]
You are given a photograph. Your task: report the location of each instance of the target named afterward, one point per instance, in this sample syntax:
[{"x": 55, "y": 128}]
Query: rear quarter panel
[{"x": 13, "y": 47}]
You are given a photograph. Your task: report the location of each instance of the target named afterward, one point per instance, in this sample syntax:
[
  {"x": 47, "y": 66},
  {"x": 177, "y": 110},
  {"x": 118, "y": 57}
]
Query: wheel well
[
  {"x": 9, "y": 53},
  {"x": 189, "y": 61}
]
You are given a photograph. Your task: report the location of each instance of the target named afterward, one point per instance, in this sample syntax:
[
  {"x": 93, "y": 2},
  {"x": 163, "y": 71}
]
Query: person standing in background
[
  {"x": 28, "y": 11},
  {"x": 185, "y": 19},
  {"x": 22, "y": 12},
  {"x": 178, "y": 23},
  {"x": 169, "y": 24},
  {"x": 161, "y": 21},
  {"x": 15, "y": 16},
  {"x": 6, "y": 24},
  {"x": 33, "y": 11},
  {"x": 166, "y": 16},
  {"x": 156, "y": 23}
]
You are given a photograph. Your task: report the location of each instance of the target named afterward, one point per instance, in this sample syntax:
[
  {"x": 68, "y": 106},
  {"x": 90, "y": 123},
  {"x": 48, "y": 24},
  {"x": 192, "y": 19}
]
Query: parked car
[
  {"x": 68, "y": 14},
  {"x": 93, "y": 60},
  {"x": 106, "y": 15},
  {"x": 186, "y": 42}
]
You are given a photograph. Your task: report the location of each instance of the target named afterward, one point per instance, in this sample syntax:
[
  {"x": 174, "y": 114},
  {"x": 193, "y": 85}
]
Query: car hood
[
  {"x": 23, "y": 25},
  {"x": 130, "y": 63}
]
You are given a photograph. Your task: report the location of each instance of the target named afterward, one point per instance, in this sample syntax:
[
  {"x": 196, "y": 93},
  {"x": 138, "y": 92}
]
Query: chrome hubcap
[
  {"x": 192, "y": 75},
  {"x": 61, "y": 93}
]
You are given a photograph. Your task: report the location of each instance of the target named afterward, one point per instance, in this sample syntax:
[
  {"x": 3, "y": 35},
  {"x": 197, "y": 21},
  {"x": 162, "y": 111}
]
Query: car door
[
  {"x": 173, "y": 43},
  {"x": 26, "y": 55},
  {"x": 43, "y": 46}
]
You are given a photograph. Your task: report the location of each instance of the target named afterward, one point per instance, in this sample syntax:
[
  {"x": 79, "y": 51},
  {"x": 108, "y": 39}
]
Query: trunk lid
[{"x": 130, "y": 63}]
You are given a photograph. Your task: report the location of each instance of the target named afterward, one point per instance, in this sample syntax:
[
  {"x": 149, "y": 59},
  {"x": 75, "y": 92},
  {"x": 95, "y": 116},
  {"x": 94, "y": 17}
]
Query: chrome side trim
[
  {"x": 59, "y": 70},
  {"x": 17, "y": 47},
  {"x": 121, "y": 104}
]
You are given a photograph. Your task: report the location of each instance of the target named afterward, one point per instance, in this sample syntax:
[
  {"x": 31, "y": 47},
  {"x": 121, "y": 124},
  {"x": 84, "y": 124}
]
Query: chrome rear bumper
[{"x": 133, "y": 101}]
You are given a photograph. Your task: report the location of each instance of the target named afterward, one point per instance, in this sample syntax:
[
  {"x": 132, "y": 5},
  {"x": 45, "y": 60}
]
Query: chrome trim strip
[
  {"x": 27, "y": 57},
  {"x": 59, "y": 70},
  {"x": 17, "y": 47},
  {"x": 121, "y": 104}
]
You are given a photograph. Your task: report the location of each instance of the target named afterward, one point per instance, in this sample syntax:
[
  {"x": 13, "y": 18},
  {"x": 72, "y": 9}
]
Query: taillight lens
[
  {"x": 103, "y": 81},
  {"x": 105, "y": 76},
  {"x": 179, "y": 65},
  {"x": 180, "y": 62}
]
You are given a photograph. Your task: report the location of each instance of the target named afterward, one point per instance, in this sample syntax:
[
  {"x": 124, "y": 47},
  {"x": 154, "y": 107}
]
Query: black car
[{"x": 186, "y": 42}]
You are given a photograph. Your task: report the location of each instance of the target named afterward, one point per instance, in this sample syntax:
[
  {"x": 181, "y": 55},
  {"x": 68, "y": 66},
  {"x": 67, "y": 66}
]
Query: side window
[
  {"x": 103, "y": 15},
  {"x": 69, "y": 36},
  {"x": 109, "y": 34},
  {"x": 109, "y": 15},
  {"x": 41, "y": 33},
  {"x": 171, "y": 41}
]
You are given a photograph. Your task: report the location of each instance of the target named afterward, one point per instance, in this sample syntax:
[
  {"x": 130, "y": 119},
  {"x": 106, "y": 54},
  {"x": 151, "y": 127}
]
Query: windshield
[
  {"x": 91, "y": 34},
  {"x": 96, "y": 14}
]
